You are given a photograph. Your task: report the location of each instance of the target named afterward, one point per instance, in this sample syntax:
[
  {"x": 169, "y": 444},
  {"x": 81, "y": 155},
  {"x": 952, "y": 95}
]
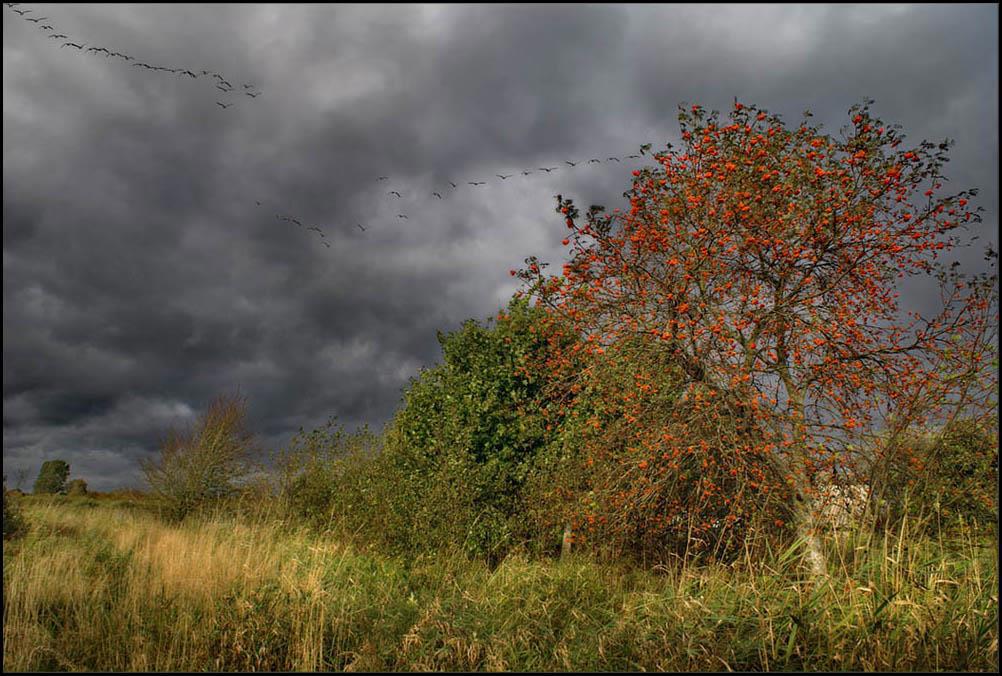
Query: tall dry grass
[{"x": 96, "y": 586}]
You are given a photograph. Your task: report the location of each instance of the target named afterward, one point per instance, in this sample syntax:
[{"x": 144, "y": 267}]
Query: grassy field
[{"x": 103, "y": 585}]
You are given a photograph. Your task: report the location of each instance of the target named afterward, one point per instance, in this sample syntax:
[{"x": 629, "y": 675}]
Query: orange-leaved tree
[{"x": 764, "y": 262}]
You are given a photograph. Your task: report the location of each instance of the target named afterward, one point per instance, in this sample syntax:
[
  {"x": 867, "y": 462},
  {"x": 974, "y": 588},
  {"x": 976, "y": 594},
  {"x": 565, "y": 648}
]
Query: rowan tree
[{"x": 764, "y": 262}]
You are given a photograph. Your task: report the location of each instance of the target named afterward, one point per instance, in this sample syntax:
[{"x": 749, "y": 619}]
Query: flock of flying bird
[
  {"x": 247, "y": 89},
  {"x": 222, "y": 84},
  {"x": 505, "y": 177},
  {"x": 396, "y": 194}
]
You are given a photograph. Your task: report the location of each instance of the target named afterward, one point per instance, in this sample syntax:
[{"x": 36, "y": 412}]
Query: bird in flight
[
  {"x": 402, "y": 216},
  {"x": 526, "y": 173},
  {"x": 631, "y": 157},
  {"x": 437, "y": 195},
  {"x": 393, "y": 192},
  {"x": 222, "y": 89},
  {"x": 595, "y": 161},
  {"x": 452, "y": 184},
  {"x": 359, "y": 226},
  {"x": 73, "y": 44},
  {"x": 548, "y": 169},
  {"x": 327, "y": 245},
  {"x": 504, "y": 177},
  {"x": 612, "y": 158},
  {"x": 475, "y": 183},
  {"x": 573, "y": 164},
  {"x": 37, "y": 20},
  {"x": 122, "y": 56},
  {"x": 253, "y": 96},
  {"x": 316, "y": 229},
  {"x": 257, "y": 203},
  {"x": 47, "y": 27},
  {"x": 223, "y": 105},
  {"x": 383, "y": 178},
  {"x": 247, "y": 86}
]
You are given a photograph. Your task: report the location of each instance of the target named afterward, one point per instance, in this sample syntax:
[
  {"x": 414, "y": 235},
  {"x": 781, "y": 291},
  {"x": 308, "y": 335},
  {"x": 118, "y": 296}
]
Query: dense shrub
[
  {"x": 469, "y": 435},
  {"x": 52, "y": 477},
  {"x": 324, "y": 475},
  {"x": 944, "y": 477},
  {"x": 649, "y": 467},
  {"x": 479, "y": 459}
]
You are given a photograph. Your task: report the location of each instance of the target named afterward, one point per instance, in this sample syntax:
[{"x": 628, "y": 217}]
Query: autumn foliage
[{"x": 759, "y": 264}]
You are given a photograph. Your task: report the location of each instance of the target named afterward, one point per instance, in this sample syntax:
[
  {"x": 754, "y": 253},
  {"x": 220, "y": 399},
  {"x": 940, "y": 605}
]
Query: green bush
[
  {"x": 52, "y": 477},
  {"x": 324, "y": 474},
  {"x": 944, "y": 477},
  {"x": 469, "y": 435}
]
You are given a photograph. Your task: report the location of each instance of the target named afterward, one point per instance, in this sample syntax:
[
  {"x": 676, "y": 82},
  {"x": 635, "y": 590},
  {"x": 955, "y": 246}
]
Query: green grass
[{"x": 106, "y": 585}]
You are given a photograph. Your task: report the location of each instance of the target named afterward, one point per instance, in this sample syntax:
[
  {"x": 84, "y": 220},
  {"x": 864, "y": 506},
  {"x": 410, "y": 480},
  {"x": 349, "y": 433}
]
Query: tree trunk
[
  {"x": 807, "y": 532},
  {"x": 804, "y": 505},
  {"x": 565, "y": 545}
]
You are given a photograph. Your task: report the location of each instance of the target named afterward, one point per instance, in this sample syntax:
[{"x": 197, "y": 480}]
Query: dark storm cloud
[{"x": 141, "y": 277}]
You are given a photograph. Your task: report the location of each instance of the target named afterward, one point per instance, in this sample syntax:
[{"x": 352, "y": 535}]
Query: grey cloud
[{"x": 141, "y": 277}]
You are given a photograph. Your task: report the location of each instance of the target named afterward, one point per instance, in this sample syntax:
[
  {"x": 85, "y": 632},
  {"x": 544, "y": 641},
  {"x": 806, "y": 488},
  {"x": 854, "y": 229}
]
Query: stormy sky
[{"x": 141, "y": 276}]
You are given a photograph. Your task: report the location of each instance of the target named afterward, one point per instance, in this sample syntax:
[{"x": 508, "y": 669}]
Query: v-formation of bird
[
  {"x": 222, "y": 83},
  {"x": 397, "y": 195},
  {"x": 505, "y": 177},
  {"x": 226, "y": 87}
]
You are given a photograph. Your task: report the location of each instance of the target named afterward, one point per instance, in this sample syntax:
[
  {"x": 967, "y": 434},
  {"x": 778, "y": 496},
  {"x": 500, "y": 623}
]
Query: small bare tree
[{"x": 203, "y": 463}]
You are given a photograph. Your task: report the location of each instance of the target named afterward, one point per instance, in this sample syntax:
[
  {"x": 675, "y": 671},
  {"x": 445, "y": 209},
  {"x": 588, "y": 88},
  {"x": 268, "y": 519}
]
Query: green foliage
[
  {"x": 946, "y": 477},
  {"x": 52, "y": 477},
  {"x": 469, "y": 436},
  {"x": 76, "y": 487},
  {"x": 326, "y": 475}
]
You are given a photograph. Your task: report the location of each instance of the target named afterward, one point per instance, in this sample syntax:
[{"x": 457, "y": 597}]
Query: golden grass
[{"x": 99, "y": 587}]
